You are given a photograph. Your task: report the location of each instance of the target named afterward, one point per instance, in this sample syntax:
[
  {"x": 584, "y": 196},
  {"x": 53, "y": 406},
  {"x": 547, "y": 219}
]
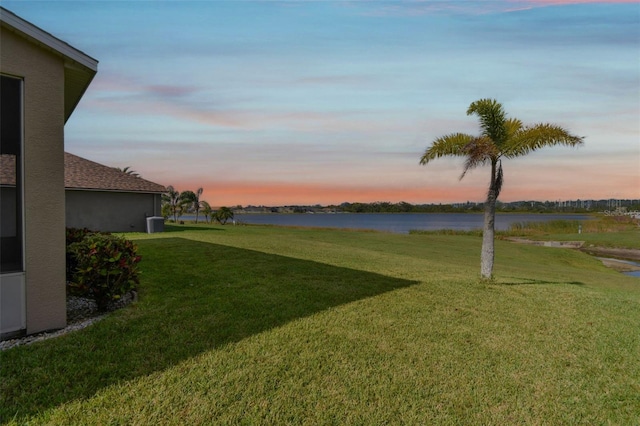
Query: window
[{"x": 11, "y": 225}]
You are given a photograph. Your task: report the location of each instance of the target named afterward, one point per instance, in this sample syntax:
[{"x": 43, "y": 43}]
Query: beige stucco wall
[
  {"x": 110, "y": 211},
  {"x": 43, "y": 74}
]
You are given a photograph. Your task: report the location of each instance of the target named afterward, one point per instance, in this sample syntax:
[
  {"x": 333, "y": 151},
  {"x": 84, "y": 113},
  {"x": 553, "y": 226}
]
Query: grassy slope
[
  {"x": 267, "y": 325},
  {"x": 620, "y": 232}
]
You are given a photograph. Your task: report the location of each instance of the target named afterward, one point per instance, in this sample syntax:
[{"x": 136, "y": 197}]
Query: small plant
[{"x": 106, "y": 268}]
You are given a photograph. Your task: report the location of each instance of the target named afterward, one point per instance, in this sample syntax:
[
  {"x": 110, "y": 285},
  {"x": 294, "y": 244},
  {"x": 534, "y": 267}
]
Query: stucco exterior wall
[
  {"x": 110, "y": 211},
  {"x": 43, "y": 76}
]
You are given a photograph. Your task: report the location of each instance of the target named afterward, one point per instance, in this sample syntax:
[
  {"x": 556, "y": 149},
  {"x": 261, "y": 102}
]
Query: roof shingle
[{"x": 80, "y": 173}]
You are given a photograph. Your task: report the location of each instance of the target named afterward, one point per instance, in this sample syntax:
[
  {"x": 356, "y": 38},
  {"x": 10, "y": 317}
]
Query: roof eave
[
  {"x": 80, "y": 68},
  {"x": 76, "y": 84},
  {"x": 47, "y": 39}
]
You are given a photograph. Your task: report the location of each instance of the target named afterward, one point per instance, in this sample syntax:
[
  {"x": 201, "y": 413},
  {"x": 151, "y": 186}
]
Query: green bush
[
  {"x": 73, "y": 235},
  {"x": 106, "y": 268}
]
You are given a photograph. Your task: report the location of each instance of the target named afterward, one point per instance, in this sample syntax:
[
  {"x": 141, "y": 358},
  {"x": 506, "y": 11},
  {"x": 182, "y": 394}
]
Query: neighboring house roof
[
  {"x": 80, "y": 173},
  {"x": 7, "y": 170},
  {"x": 83, "y": 174},
  {"x": 79, "y": 68}
]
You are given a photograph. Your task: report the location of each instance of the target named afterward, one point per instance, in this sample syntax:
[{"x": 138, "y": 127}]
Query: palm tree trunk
[{"x": 488, "y": 232}]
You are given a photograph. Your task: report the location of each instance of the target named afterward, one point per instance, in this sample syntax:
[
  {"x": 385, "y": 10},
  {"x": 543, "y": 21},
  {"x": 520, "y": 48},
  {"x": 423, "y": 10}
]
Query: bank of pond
[{"x": 401, "y": 223}]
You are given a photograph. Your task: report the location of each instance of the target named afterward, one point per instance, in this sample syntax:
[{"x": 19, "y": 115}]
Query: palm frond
[
  {"x": 479, "y": 152},
  {"x": 492, "y": 119},
  {"x": 452, "y": 144},
  {"x": 512, "y": 126},
  {"x": 538, "y": 136}
]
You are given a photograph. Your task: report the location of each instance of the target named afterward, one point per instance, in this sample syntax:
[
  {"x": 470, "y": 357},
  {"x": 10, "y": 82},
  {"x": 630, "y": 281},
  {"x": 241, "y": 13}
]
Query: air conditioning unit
[{"x": 155, "y": 224}]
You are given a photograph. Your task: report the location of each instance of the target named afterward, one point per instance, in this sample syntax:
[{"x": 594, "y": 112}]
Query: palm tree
[
  {"x": 173, "y": 200},
  {"x": 500, "y": 137},
  {"x": 206, "y": 210},
  {"x": 224, "y": 214},
  {"x": 127, "y": 170},
  {"x": 187, "y": 199},
  {"x": 196, "y": 202}
]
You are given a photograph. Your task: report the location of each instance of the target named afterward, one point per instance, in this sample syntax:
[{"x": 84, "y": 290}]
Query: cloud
[
  {"x": 432, "y": 7},
  {"x": 335, "y": 80},
  {"x": 231, "y": 193},
  {"x": 120, "y": 95},
  {"x": 542, "y": 3}
]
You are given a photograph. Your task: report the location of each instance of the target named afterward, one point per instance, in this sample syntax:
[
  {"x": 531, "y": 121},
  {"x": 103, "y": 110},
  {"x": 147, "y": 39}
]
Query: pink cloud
[{"x": 121, "y": 95}]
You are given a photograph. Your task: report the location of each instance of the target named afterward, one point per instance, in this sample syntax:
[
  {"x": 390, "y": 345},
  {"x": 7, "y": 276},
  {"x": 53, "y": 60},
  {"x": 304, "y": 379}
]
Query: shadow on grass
[
  {"x": 529, "y": 281},
  {"x": 194, "y": 297},
  {"x": 172, "y": 227}
]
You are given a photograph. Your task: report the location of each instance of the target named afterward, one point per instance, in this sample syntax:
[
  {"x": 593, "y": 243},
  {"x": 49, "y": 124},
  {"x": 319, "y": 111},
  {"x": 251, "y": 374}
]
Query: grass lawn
[
  {"x": 620, "y": 232},
  {"x": 268, "y": 325}
]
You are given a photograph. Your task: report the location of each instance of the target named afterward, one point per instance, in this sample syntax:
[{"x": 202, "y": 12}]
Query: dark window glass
[{"x": 11, "y": 175}]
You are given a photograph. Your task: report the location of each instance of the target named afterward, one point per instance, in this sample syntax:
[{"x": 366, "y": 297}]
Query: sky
[{"x": 324, "y": 102}]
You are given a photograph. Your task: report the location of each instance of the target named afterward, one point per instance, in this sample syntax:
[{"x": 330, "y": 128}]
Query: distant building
[{"x": 104, "y": 198}]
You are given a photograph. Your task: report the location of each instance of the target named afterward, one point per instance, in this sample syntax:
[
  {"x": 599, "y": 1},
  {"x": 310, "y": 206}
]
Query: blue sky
[{"x": 304, "y": 102}]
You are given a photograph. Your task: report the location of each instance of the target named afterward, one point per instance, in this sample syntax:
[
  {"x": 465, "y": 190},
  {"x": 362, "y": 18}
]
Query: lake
[{"x": 400, "y": 223}]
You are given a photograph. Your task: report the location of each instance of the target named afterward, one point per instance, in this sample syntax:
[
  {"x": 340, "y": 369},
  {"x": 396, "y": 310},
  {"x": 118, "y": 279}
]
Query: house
[
  {"x": 97, "y": 197},
  {"x": 42, "y": 81},
  {"x": 104, "y": 198}
]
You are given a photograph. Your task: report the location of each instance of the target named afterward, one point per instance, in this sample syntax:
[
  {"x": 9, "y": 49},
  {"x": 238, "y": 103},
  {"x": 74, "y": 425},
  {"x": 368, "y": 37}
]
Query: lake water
[{"x": 400, "y": 223}]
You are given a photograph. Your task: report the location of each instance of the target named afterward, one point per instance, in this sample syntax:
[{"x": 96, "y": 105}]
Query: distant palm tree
[
  {"x": 127, "y": 170},
  {"x": 172, "y": 198},
  {"x": 500, "y": 137},
  {"x": 206, "y": 210},
  {"x": 187, "y": 201},
  {"x": 196, "y": 202},
  {"x": 224, "y": 214}
]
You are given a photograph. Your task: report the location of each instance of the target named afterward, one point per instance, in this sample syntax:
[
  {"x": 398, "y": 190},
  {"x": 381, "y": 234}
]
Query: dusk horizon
[{"x": 302, "y": 103}]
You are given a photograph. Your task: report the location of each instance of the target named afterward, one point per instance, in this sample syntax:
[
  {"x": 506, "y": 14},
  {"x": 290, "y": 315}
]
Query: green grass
[
  {"x": 267, "y": 325},
  {"x": 604, "y": 231}
]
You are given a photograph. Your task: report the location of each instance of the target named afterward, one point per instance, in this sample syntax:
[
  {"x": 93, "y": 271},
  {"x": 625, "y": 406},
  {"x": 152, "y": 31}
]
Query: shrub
[
  {"x": 105, "y": 268},
  {"x": 73, "y": 235}
]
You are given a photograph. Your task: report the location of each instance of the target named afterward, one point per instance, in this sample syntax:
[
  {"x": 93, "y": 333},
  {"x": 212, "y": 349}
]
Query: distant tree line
[
  {"x": 470, "y": 207},
  {"x": 577, "y": 206},
  {"x": 175, "y": 204},
  {"x": 404, "y": 207}
]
